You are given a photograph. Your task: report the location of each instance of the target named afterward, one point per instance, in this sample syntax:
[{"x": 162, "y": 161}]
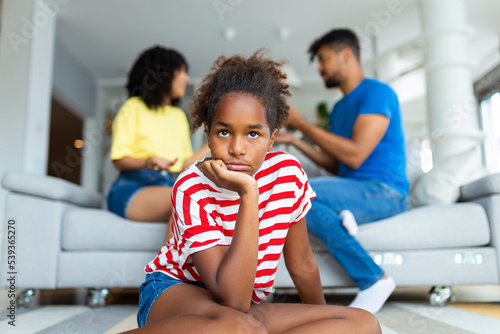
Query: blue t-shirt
[{"x": 387, "y": 162}]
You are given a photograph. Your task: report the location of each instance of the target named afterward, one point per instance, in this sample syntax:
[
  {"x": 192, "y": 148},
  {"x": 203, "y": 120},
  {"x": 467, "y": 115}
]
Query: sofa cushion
[
  {"x": 441, "y": 185},
  {"x": 101, "y": 230},
  {"x": 50, "y": 187},
  {"x": 485, "y": 186},
  {"x": 436, "y": 226},
  {"x": 427, "y": 227}
]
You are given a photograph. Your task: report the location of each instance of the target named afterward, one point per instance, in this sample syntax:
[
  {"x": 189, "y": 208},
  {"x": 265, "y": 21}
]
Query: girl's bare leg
[
  {"x": 151, "y": 204},
  {"x": 305, "y": 318},
  {"x": 191, "y": 309}
]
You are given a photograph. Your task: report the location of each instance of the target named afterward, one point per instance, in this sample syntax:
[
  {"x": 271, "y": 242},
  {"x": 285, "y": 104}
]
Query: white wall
[
  {"x": 26, "y": 48},
  {"x": 73, "y": 86},
  {"x": 31, "y": 64},
  {"x": 26, "y": 58}
]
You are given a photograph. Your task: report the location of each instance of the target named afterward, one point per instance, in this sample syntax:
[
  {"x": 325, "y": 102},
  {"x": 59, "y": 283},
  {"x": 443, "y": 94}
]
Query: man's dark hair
[
  {"x": 152, "y": 74},
  {"x": 337, "y": 39},
  {"x": 257, "y": 76}
]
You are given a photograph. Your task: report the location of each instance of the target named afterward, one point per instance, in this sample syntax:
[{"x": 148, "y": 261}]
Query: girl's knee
[{"x": 365, "y": 321}]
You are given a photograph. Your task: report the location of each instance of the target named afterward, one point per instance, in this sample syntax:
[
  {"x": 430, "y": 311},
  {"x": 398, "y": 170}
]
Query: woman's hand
[
  {"x": 218, "y": 173},
  {"x": 160, "y": 163}
]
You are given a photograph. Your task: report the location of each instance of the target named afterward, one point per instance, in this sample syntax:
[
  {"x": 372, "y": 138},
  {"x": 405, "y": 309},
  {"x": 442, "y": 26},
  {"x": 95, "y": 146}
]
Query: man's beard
[{"x": 331, "y": 81}]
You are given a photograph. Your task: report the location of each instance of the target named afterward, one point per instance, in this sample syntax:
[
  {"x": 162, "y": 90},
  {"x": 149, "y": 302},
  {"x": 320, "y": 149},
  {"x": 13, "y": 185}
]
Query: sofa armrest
[
  {"x": 51, "y": 188},
  {"x": 485, "y": 186}
]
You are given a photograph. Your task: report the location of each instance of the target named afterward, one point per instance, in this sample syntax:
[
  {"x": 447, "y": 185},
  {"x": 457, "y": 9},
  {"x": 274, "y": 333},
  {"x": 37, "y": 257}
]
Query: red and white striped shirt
[{"x": 205, "y": 216}]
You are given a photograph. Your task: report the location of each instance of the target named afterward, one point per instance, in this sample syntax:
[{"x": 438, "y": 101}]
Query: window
[{"x": 490, "y": 121}]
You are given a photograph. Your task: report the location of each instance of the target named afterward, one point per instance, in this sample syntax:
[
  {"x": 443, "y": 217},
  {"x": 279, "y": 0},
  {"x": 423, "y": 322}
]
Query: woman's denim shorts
[
  {"x": 129, "y": 183},
  {"x": 155, "y": 284}
]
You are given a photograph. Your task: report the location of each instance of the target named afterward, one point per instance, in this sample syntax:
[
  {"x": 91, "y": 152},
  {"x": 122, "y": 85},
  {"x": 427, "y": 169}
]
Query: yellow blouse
[{"x": 140, "y": 132}]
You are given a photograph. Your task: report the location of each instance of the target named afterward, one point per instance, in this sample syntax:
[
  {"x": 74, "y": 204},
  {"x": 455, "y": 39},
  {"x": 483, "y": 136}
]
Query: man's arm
[
  {"x": 302, "y": 265},
  {"x": 319, "y": 157},
  {"x": 367, "y": 132}
]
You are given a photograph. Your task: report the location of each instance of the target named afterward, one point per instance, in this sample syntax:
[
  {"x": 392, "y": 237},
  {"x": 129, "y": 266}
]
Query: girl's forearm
[
  {"x": 236, "y": 274},
  {"x": 309, "y": 287}
]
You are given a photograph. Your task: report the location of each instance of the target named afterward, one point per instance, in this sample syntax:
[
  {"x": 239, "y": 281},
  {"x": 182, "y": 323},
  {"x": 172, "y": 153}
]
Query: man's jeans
[{"x": 368, "y": 201}]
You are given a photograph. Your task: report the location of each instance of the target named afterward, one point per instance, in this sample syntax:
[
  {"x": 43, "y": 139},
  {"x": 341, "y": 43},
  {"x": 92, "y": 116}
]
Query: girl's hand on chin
[{"x": 218, "y": 173}]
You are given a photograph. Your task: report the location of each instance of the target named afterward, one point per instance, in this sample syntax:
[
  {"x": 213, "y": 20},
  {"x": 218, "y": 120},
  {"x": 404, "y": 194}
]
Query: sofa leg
[
  {"x": 24, "y": 299},
  {"x": 97, "y": 297},
  {"x": 441, "y": 296}
]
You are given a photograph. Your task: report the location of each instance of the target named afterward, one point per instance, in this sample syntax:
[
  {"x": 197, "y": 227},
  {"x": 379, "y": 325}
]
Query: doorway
[{"x": 65, "y": 143}]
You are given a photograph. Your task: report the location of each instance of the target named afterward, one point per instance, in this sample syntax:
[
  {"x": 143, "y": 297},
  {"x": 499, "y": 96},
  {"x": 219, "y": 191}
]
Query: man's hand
[
  {"x": 218, "y": 173},
  {"x": 367, "y": 132}
]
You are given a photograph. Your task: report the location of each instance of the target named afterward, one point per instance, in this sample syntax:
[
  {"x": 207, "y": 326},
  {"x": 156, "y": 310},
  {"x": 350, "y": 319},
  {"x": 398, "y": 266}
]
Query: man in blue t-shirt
[{"x": 365, "y": 148}]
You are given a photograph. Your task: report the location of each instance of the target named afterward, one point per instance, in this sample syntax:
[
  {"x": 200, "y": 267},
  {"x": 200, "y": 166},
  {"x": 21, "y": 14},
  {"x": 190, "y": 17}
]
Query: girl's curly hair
[
  {"x": 152, "y": 74},
  {"x": 257, "y": 76}
]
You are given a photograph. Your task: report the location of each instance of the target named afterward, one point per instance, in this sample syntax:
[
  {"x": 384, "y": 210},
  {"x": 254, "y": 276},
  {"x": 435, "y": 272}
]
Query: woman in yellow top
[{"x": 151, "y": 137}]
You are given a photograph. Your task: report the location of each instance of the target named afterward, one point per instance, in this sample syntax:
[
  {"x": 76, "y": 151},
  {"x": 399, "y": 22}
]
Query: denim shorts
[
  {"x": 155, "y": 284},
  {"x": 129, "y": 183}
]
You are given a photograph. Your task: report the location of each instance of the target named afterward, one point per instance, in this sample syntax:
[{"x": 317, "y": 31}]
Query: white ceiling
[{"x": 106, "y": 36}]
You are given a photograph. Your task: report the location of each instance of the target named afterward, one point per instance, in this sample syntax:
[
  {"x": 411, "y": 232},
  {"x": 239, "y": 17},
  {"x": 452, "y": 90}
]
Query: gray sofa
[{"x": 65, "y": 240}]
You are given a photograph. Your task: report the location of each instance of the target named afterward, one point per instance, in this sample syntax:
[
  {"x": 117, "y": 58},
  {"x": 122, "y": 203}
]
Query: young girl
[{"x": 234, "y": 214}]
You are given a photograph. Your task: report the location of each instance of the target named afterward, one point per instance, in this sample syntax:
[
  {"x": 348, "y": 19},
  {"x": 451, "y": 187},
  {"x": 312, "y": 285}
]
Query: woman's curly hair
[
  {"x": 152, "y": 74},
  {"x": 257, "y": 76}
]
